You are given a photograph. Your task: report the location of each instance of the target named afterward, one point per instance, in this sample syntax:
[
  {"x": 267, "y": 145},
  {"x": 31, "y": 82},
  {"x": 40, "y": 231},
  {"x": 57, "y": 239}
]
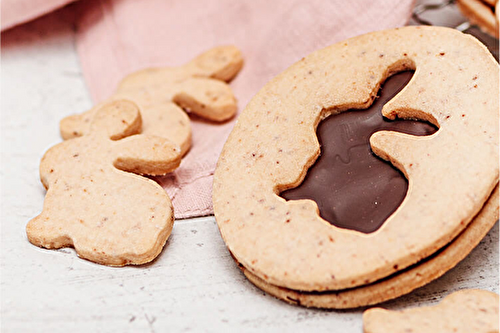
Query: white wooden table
[{"x": 194, "y": 285}]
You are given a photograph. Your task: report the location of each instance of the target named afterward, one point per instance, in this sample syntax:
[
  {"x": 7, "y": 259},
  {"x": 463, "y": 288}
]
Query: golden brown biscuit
[
  {"x": 161, "y": 93},
  {"x": 287, "y": 243},
  {"x": 483, "y": 13},
  {"x": 464, "y": 311},
  {"x": 94, "y": 203}
]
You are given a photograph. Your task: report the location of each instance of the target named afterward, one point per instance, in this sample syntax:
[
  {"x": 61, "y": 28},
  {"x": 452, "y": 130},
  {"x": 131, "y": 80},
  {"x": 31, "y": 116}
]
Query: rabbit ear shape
[
  {"x": 393, "y": 147},
  {"x": 76, "y": 125},
  {"x": 147, "y": 154},
  {"x": 207, "y": 98},
  {"x": 221, "y": 63},
  {"x": 117, "y": 119}
]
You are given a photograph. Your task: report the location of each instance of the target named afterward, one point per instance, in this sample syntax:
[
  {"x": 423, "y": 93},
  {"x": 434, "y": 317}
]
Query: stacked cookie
[
  {"x": 96, "y": 200},
  {"x": 484, "y": 13},
  {"x": 383, "y": 234}
]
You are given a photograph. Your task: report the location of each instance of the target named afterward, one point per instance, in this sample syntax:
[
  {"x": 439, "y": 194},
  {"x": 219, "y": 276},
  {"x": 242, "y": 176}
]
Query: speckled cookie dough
[
  {"x": 400, "y": 283},
  {"x": 95, "y": 203},
  {"x": 484, "y": 13},
  {"x": 199, "y": 86},
  {"x": 451, "y": 173},
  {"x": 463, "y": 311}
]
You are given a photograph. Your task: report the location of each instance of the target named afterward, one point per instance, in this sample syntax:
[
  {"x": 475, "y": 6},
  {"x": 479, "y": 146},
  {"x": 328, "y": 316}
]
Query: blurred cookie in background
[{"x": 481, "y": 12}]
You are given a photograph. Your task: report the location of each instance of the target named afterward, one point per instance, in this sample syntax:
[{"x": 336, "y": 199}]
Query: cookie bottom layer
[{"x": 400, "y": 283}]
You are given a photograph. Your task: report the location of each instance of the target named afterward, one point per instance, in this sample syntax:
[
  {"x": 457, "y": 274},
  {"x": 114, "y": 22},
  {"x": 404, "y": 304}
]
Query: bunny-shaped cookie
[
  {"x": 94, "y": 202},
  {"x": 161, "y": 93}
]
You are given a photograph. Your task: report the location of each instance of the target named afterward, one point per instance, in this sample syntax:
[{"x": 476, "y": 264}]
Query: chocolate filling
[{"x": 355, "y": 189}]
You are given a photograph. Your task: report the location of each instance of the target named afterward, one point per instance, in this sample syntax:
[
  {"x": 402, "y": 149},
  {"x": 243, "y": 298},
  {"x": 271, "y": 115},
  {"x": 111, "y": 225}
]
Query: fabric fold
[
  {"x": 15, "y": 12},
  {"x": 118, "y": 37}
]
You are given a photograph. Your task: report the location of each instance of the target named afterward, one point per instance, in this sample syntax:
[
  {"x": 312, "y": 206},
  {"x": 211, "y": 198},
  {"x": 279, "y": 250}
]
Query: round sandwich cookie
[
  {"x": 367, "y": 167},
  {"x": 484, "y": 13}
]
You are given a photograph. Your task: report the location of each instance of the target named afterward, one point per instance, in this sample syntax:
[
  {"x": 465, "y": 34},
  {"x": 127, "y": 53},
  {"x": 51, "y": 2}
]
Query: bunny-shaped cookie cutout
[
  {"x": 95, "y": 203},
  {"x": 198, "y": 86}
]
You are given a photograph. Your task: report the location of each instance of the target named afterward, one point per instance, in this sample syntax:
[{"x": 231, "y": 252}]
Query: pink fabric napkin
[
  {"x": 117, "y": 37},
  {"x": 15, "y": 12}
]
